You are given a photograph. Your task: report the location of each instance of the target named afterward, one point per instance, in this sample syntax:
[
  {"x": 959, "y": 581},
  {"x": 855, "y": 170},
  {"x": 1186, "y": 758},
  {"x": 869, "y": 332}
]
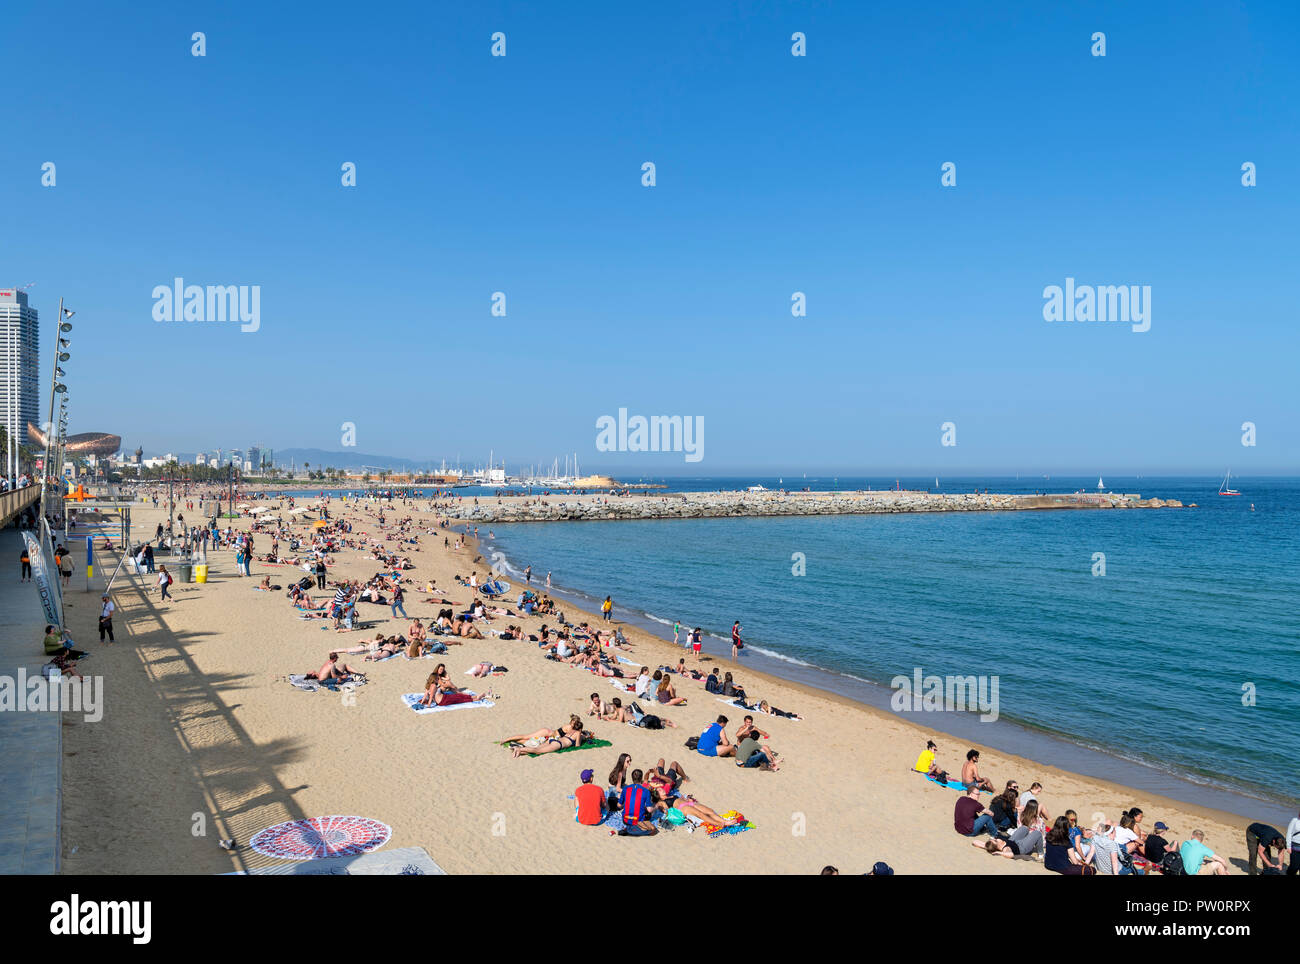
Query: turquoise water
[{"x": 1146, "y": 663}]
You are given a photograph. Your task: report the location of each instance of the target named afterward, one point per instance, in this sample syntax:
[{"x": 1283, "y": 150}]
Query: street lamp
[{"x": 56, "y": 388}]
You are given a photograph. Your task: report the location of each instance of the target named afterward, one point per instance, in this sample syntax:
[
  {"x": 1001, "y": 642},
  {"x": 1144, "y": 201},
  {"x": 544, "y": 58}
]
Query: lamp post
[{"x": 62, "y": 328}]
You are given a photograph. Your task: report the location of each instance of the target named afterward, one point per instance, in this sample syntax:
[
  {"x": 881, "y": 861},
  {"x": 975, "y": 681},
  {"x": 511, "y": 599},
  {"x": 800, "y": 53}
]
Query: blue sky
[{"x": 775, "y": 174}]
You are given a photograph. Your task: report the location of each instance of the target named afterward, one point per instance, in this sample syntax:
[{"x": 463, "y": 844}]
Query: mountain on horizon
[{"x": 320, "y": 459}]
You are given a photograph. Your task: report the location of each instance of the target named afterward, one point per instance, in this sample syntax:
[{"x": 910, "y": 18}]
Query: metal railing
[{"x": 12, "y": 503}]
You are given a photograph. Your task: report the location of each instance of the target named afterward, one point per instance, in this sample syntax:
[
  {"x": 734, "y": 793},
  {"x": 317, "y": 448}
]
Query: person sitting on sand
[
  {"x": 1003, "y": 808},
  {"x": 1059, "y": 855},
  {"x": 667, "y": 695},
  {"x": 636, "y": 802},
  {"x": 747, "y": 727},
  {"x": 970, "y": 773},
  {"x": 754, "y": 755},
  {"x": 970, "y": 817},
  {"x": 333, "y": 670},
  {"x": 1200, "y": 860},
  {"x": 713, "y": 741},
  {"x": 589, "y": 801},
  {"x": 730, "y": 688},
  {"x": 463, "y": 627}
]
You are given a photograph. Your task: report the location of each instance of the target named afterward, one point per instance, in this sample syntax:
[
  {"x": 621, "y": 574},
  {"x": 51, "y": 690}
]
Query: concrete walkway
[{"x": 31, "y": 744}]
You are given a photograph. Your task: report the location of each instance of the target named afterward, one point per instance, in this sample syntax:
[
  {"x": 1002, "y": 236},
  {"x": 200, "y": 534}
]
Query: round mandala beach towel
[{"x": 321, "y": 837}]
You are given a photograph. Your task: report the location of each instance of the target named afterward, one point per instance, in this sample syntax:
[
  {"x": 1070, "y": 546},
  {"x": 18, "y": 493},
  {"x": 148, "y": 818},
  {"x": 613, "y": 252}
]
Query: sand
[{"x": 201, "y": 739}]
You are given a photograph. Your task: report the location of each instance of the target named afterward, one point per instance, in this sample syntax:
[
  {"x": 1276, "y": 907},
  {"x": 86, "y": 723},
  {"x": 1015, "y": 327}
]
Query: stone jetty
[{"x": 708, "y": 505}]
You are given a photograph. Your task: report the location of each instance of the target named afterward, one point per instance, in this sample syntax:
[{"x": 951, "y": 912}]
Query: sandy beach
[{"x": 202, "y": 739}]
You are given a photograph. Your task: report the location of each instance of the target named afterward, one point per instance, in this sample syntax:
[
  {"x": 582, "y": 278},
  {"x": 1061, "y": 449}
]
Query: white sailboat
[
  {"x": 1100, "y": 484},
  {"x": 1225, "y": 489}
]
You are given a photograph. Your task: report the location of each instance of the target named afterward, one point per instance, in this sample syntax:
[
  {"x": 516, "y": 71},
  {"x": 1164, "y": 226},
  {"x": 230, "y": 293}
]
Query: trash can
[
  {"x": 201, "y": 572},
  {"x": 186, "y": 572}
]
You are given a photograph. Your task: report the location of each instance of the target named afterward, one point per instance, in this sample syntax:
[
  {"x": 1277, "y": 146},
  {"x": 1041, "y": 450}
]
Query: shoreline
[{"x": 1011, "y": 736}]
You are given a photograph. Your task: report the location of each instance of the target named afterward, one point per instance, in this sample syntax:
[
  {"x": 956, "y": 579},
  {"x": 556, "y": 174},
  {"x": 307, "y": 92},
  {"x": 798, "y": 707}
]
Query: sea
[{"x": 1156, "y": 648}]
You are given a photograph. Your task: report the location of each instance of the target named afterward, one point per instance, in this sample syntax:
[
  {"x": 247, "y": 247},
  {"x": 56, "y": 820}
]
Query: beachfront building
[{"x": 20, "y": 404}]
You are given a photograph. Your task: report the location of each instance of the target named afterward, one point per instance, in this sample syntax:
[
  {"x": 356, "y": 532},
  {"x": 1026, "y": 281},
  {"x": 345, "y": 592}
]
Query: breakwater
[{"x": 708, "y": 505}]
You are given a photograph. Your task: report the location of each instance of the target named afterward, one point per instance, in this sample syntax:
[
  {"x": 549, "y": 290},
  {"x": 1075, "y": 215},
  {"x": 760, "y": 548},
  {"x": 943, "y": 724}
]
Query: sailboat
[
  {"x": 1100, "y": 484},
  {"x": 1224, "y": 489}
]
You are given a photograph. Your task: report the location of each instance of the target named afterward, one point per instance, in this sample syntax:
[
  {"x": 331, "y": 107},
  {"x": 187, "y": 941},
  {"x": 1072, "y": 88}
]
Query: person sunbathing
[
  {"x": 693, "y": 808},
  {"x": 333, "y": 670},
  {"x": 563, "y": 742},
  {"x": 765, "y": 707},
  {"x": 463, "y": 627},
  {"x": 666, "y": 781},
  {"x": 481, "y": 669},
  {"x": 389, "y": 647},
  {"x": 572, "y": 728}
]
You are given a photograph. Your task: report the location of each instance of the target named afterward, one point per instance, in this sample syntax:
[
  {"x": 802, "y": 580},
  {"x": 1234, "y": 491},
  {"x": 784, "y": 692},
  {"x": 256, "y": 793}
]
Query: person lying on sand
[
  {"x": 693, "y": 808},
  {"x": 666, "y": 781},
  {"x": 563, "y": 742}
]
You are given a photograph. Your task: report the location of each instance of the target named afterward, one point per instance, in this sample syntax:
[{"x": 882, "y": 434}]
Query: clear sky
[{"x": 774, "y": 174}]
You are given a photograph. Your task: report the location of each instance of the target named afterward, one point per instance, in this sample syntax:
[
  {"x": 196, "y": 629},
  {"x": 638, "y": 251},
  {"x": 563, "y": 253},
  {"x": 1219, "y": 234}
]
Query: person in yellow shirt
[{"x": 925, "y": 762}]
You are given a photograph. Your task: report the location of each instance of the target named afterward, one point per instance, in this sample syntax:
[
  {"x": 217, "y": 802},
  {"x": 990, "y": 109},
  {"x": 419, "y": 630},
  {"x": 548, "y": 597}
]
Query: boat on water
[
  {"x": 1100, "y": 484},
  {"x": 1225, "y": 488}
]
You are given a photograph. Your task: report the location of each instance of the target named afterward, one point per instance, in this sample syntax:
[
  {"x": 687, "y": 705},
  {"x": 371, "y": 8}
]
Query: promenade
[{"x": 31, "y": 744}]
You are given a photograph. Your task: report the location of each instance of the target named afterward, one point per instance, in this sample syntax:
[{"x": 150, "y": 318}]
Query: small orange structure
[{"x": 81, "y": 495}]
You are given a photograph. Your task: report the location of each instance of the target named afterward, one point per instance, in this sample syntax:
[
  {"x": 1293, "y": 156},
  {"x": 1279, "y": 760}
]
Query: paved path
[{"x": 31, "y": 744}]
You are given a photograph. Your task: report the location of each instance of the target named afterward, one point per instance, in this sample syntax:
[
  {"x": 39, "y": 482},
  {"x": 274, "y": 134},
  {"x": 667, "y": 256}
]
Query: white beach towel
[{"x": 412, "y": 702}]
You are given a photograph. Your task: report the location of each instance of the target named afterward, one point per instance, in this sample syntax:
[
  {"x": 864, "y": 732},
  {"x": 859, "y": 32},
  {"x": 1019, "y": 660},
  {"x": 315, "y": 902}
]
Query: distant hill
[{"x": 319, "y": 458}]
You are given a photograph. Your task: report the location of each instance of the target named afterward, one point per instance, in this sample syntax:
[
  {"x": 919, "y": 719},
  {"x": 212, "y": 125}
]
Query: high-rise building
[{"x": 20, "y": 343}]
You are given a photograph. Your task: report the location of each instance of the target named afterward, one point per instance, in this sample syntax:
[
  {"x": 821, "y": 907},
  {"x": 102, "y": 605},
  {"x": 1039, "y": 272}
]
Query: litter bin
[
  {"x": 201, "y": 573},
  {"x": 186, "y": 571}
]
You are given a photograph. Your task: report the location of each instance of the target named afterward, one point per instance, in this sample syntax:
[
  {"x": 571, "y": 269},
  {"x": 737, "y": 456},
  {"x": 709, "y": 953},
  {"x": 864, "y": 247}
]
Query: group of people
[
  {"x": 643, "y": 800},
  {"x": 1018, "y": 826}
]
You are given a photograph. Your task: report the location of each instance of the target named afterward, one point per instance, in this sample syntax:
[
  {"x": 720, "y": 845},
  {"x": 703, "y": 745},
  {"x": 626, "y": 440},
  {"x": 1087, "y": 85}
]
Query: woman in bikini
[
  {"x": 564, "y": 741},
  {"x": 666, "y": 695}
]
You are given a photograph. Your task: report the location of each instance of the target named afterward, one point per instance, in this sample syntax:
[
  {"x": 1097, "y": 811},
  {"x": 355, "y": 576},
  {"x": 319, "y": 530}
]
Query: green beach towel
[{"x": 593, "y": 745}]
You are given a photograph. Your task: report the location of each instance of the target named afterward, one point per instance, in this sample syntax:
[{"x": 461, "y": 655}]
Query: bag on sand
[
  {"x": 693, "y": 743},
  {"x": 1171, "y": 865}
]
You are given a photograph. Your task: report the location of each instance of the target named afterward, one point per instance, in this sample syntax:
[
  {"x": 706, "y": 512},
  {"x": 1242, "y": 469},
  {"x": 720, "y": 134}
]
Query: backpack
[
  {"x": 170, "y": 580},
  {"x": 1171, "y": 864},
  {"x": 693, "y": 743}
]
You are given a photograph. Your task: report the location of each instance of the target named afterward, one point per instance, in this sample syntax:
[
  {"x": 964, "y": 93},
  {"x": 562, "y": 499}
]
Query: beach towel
[
  {"x": 716, "y": 831},
  {"x": 303, "y": 683},
  {"x": 951, "y": 784},
  {"x": 412, "y": 701},
  {"x": 321, "y": 837},
  {"x": 593, "y": 745}
]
